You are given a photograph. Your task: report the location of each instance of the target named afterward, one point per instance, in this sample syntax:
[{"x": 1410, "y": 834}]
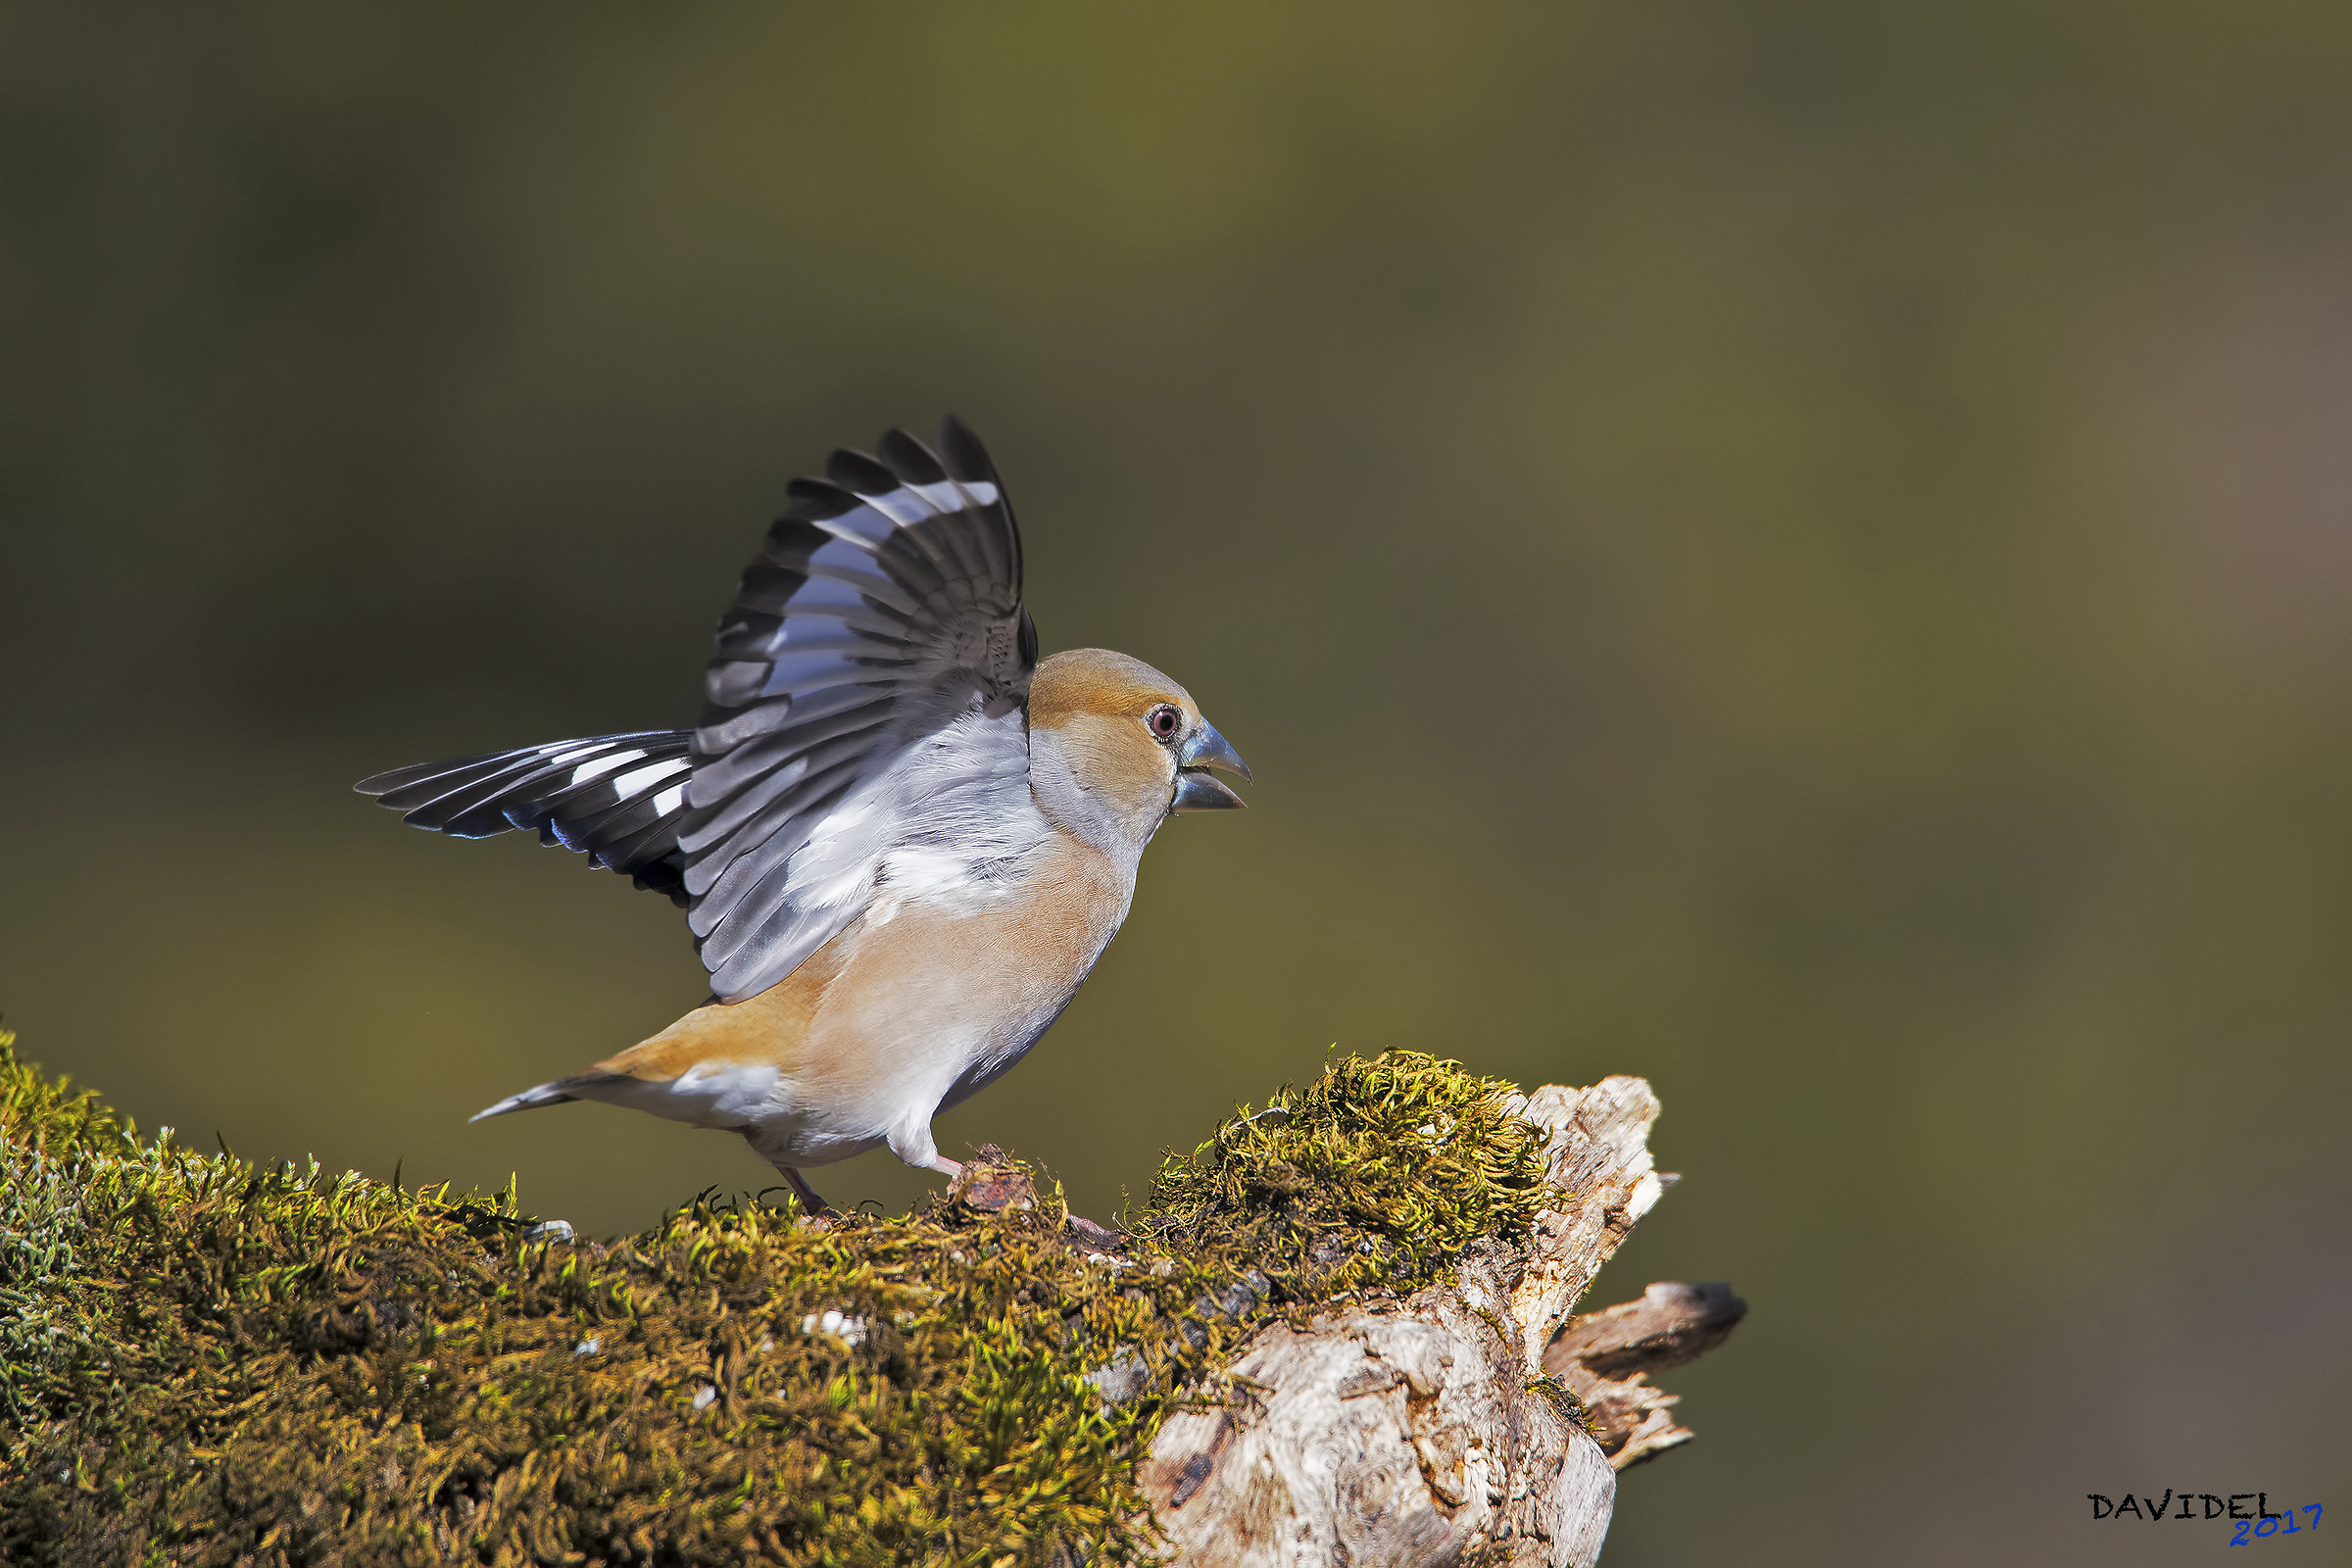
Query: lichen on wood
[{"x": 205, "y": 1359}]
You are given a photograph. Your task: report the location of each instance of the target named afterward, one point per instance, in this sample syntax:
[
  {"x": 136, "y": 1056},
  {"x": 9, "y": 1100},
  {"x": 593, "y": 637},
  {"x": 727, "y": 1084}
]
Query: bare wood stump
[{"x": 1436, "y": 1426}]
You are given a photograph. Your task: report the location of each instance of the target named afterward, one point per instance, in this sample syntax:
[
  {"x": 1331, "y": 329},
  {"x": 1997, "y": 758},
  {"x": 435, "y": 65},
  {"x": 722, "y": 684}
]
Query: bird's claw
[
  {"x": 814, "y": 1206},
  {"x": 992, "y": 1183}
]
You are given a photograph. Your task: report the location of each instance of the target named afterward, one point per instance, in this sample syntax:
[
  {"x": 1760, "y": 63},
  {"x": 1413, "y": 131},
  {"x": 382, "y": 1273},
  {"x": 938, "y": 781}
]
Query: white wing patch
[
  {"x": 864, "y": 734},
  {"x": 591, "y": 795},
  {"x": 600, "y": 766},
  {"x": 640, "y": 779}
]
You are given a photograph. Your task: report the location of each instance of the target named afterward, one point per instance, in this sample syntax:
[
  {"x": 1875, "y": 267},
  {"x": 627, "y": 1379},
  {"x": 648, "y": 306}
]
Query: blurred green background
[{"x": 1801, "y": 551}]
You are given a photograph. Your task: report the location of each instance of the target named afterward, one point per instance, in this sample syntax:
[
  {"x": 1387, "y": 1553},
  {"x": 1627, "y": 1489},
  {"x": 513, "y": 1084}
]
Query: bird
[{"x": 900, "y": 838}]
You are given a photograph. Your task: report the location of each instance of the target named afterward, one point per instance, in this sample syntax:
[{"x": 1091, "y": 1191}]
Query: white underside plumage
[{"x": 961, "y": 869}]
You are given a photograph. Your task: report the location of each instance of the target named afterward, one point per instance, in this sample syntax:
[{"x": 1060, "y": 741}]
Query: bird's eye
[{"x": 1165, "y": 721}]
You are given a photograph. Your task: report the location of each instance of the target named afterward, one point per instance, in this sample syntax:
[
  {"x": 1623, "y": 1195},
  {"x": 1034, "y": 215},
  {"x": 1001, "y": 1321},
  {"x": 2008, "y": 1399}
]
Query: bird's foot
[
  {"x": 993, "y": 1184},
  {"x": 813, "y": 1203},
  {"x": 990, "y": 1182}
]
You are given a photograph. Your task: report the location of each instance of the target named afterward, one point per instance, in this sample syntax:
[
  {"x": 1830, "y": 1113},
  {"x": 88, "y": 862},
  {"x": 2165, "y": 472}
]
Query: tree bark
[{"x": 1434, "y": 1428}]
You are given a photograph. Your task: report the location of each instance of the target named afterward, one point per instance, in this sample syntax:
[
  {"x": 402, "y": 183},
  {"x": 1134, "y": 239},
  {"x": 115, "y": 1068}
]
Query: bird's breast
[
  {"x": 939, "y": 987},
  {"x": 956, "y": 976}
]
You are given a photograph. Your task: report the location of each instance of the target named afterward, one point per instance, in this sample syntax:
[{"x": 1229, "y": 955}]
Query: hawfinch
[{"x": 900, "y": 838}]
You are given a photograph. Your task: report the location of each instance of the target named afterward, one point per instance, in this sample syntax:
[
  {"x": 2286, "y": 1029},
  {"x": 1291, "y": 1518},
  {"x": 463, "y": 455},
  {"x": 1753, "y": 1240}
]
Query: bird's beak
[{"x": 1195, "y": 791}]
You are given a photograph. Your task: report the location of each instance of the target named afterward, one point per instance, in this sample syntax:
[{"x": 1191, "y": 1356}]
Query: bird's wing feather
[
  {"x": 865, "y": 697},
  {"x": 617, "y": 798}
]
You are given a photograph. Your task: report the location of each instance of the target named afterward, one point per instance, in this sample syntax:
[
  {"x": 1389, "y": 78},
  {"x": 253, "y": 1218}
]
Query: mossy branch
[{"x": 206, "y": 1360}]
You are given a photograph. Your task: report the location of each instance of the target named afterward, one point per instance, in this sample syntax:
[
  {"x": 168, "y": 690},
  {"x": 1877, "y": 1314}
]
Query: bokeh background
[{"x": 1803, "y": 552}]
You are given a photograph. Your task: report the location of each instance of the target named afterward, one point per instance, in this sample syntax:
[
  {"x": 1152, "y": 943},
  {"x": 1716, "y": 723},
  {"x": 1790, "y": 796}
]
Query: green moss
[
  {"x": 1376, "y": 1174},
  {"x": 213, "y": 1361}
]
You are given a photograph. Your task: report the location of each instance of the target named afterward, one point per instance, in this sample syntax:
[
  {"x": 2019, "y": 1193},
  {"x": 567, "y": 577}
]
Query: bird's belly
[
  {"x": 840, "y": 1105},
  {"x": 996, "y": 1059},
  {"x": 802, "y": 1141},
  {"x": 844, "y": 1100},
  {"x": 930, "y": 1006}
]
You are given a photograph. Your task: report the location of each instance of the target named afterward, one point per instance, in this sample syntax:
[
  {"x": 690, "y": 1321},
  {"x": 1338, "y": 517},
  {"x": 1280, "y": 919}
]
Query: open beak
[{"x": 1195, "y": 791}]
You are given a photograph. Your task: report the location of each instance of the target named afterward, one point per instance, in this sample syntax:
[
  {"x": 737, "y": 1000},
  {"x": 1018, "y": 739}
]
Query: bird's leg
[
  {"x": 812, "y": 1204},
  {"x": 912, "y": 1143}
]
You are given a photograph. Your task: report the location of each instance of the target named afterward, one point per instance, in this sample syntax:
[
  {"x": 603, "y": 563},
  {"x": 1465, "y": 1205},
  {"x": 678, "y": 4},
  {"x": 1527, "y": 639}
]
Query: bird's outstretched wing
[
  {"x": 864, "y": 704},
  {"x": 617, "y": 798},
  {"x": 865, "y": 701}
]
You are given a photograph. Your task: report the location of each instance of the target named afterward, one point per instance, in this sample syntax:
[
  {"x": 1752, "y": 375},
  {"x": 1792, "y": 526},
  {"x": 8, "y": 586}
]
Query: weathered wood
[
  {"x": 1427, "y": 1429},
  {"x": 1607, "y": 1357}
]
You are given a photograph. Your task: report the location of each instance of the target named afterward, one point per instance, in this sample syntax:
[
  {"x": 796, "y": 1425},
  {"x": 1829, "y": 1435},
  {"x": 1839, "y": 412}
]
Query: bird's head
[{"x": 1115, "y": 746}]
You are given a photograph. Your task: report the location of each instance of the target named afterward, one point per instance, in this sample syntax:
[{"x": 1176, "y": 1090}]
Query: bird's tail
[{"x": 557, "y": 1093}]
